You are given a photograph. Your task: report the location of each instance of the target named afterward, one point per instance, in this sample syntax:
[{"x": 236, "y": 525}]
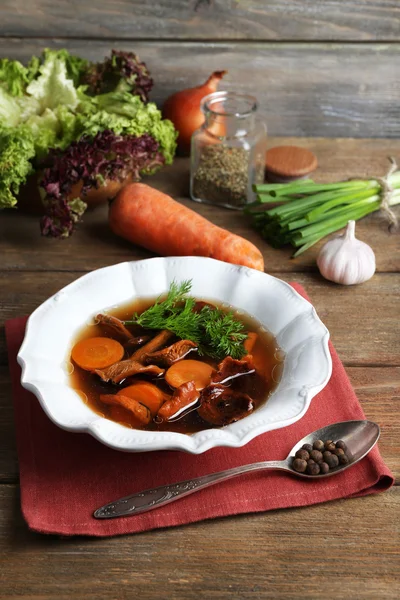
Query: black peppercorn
[
  {"x": 307, "y": 447},
  {"x": 316, "y": 455},
  {"x": 332, "y": 461},
  {"x": 320, "y": 457},
  {"x": 324, "y": 468},
  {"x": 338, "y": 451},
  {"x": 318, "y": 445},
  {"x": 313, "y": 469},
  {"x": 299, "y": 465},
  {"x": 303, "y": 454}
]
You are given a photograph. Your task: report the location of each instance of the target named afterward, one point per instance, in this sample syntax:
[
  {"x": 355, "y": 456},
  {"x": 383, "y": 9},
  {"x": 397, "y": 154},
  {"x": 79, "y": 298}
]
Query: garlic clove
[{"x": 346, "y": 260}]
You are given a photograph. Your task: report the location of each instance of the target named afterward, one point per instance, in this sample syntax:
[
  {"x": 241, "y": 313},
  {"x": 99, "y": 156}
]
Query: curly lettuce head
[{"x": 44, "y": 111}]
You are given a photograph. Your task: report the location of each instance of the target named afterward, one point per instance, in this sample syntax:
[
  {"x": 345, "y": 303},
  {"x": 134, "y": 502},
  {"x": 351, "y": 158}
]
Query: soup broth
[{"x": 267, "y": 357}]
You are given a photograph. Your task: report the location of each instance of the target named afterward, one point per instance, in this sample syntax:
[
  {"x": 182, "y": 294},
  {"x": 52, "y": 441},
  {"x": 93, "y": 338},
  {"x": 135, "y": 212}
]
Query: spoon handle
[{"x": 156, "y": 497}]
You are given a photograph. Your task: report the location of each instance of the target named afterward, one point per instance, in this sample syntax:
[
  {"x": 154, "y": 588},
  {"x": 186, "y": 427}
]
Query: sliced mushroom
[
  {"x": 140, "y": 411},
  {"x": 135, "y": 342},
  {"x": 157, "y": 342},
  {"x": 230, "y": 368},
  {"x": 221, "y": 405},
  {"x": 171, "y": 354},
  {"x": 184, "y": 397},
  {"x": 127, "y": 368},
  {"x": 115, "y": 325}
]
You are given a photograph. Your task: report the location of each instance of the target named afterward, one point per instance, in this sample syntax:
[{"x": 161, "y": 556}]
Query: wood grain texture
[
  {"x": 344, "y": 549},
  {"x": 377, "y": 388},
  {"x": 335, "y": 550},
  {"x": 305, "y": 90},
  {"x": 354, "y": 20},
  {"x": 93, "y": 245}
]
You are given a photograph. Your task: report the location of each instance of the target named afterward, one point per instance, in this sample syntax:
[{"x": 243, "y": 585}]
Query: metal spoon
[{"x": 359, "y": 436}]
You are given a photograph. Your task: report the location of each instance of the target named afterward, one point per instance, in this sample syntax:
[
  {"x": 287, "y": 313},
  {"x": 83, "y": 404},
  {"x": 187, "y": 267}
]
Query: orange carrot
[
  {"x": 250, "y": 341},
  {"x": 97, "y": 353},
  {"x": 146, "y": 393},
  {"x": 189, "y": 370},
  {"x": 150, "y": 218},
  {"x": 138, "y": 410}
]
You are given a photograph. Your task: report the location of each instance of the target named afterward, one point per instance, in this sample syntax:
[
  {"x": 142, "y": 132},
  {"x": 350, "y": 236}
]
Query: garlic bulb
[{"x": 346, "y": 260}]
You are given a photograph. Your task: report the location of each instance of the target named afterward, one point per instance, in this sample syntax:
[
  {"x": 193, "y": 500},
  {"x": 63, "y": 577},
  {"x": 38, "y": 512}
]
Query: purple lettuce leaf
[
  {"x": 89, "y": 163},
  {"x": 126, "y": 66}
]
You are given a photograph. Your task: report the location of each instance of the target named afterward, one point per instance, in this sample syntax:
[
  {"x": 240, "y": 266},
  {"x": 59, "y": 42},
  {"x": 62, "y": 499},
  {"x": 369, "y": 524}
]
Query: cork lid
[{"x": 290, "y": 161}]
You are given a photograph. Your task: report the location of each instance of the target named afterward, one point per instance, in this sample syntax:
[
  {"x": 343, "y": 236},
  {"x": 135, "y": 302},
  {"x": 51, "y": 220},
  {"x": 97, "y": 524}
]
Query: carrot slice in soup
[
  {"x": 250, "y": 341},
  {"x": 189, "y": 370},
  {"x": 146, "y": 393},
  {"x": 97, "y": 353}
]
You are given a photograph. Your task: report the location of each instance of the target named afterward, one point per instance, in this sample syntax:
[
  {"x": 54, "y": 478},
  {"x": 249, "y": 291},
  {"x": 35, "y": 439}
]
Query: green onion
[{"x": 303, "y": 212}]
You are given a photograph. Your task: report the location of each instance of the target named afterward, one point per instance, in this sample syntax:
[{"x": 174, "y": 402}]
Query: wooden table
[{"x": 343, "y": 549}]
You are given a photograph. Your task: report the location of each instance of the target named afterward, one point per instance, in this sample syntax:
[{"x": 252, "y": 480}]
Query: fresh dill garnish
[
  {"x": 224, "y": 335},
  {"x": 217, "y": 333}
]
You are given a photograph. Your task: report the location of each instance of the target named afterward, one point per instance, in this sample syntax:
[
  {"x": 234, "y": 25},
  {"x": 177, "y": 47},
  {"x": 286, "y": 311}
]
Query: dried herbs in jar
[
  {"x": 228, "y": 151},
  {"x": 222, "y": 175}
]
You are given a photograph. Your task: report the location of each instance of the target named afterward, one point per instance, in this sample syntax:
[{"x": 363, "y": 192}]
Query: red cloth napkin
[{"x": 65, "y": 476}]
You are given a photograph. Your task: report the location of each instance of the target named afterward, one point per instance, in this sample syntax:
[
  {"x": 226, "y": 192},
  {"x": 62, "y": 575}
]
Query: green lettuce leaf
[
  {"x": 68, "y": 127},
  {"x": 45, "y": 129},
  {"x": 33, "y": 67},
  {"x": 52, "y": 129},
  {"x": 16, "y": 152},
  {"x": 10, "y": 112},
  {"x": 75, "y": 65},
  {"x": 14, "y": 77},
  {"x": 53, "y": 87}
]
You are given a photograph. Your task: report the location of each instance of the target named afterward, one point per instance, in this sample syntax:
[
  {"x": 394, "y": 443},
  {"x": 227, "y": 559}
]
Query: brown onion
[{"x": 183, "y": 109}]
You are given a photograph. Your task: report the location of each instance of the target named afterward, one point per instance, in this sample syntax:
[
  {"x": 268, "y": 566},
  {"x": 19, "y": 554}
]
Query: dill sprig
[
  {"x": 217, "y": 333},
  {"x": 223, "y": 334}
]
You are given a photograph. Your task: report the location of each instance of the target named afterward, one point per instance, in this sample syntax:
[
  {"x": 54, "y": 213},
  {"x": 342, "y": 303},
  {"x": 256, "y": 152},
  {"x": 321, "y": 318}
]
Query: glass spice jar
[{"x": 227, "y": 151}]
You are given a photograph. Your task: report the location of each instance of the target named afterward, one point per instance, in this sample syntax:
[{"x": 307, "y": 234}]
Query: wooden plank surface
[
  {"x": 354, "y": 20},
  {"x": 321, "y": 89},
  {"x": 93, "y": 245},
  {"x": 344, "y": 549},
  {"x": 333, "y": 550}
]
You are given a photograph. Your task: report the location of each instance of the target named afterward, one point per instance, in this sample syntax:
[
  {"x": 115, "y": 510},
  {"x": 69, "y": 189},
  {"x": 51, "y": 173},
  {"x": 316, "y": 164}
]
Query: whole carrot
[{"x": 149, "y": 218}]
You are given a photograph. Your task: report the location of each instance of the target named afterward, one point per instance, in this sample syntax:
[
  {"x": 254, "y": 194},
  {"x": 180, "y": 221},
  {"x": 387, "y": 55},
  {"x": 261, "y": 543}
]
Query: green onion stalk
[{"x": 303, "y": 212}]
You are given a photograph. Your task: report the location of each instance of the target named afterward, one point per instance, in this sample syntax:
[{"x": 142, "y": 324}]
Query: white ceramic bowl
[{"x": 51, "y": 329}]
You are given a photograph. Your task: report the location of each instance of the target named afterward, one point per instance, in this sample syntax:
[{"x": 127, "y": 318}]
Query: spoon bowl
[{"x": 359, "y": 436}]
